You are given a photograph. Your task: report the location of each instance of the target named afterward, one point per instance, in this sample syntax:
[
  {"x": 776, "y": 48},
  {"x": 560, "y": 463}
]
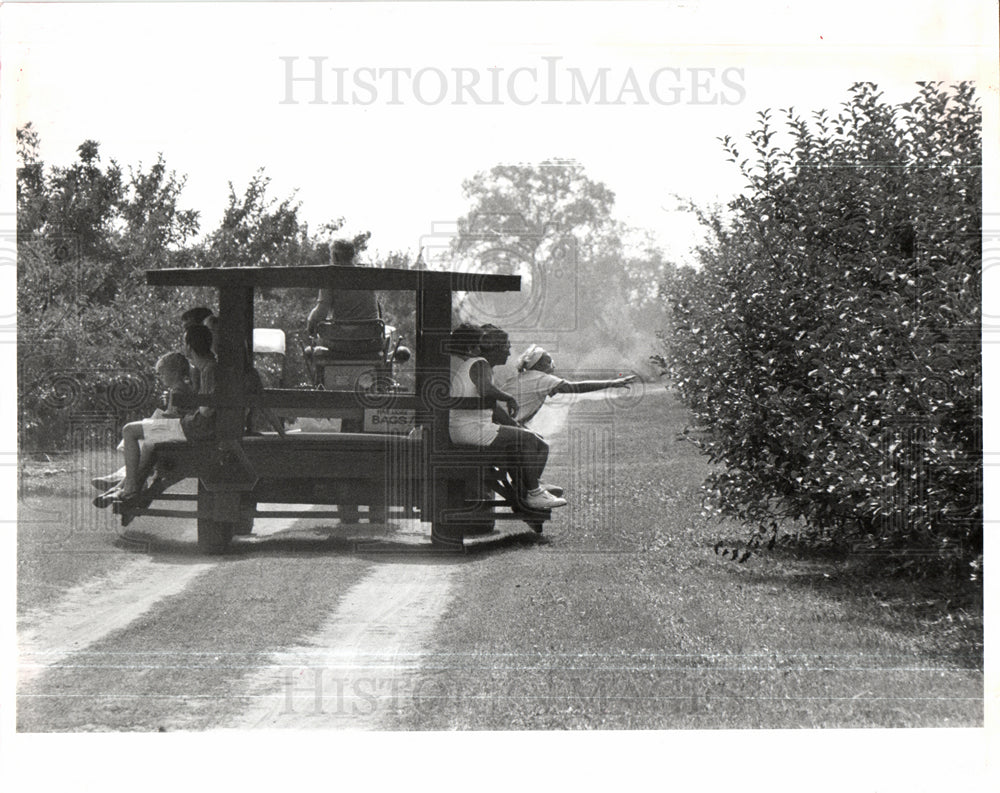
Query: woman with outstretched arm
[{"x": 535, "y": 380}]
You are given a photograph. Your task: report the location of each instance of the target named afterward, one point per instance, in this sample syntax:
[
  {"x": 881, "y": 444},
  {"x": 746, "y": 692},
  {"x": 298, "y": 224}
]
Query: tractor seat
[
  {"x": 323, "y": 356},
  {"x": 356, "y": 340}
]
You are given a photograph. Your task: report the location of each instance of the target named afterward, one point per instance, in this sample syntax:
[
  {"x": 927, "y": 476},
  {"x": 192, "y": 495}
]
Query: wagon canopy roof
[{"x": 334, "y": 276}]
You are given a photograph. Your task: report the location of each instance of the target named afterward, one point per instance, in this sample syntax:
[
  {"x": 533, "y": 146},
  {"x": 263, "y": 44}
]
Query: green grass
[{"x": 627, "y": 618}]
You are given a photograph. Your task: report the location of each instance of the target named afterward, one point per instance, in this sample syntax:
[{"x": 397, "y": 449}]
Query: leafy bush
[
  {"x": 830, "y": 341},
  {"x": 84, "y": 362}
]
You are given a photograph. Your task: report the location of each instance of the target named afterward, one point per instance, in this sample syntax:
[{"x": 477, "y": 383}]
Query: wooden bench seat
[{"x": 459, "y": 488}]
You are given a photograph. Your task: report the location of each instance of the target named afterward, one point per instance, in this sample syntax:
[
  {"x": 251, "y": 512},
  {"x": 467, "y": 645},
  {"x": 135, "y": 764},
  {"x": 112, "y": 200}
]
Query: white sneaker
[{"x": 543, "y": 500}]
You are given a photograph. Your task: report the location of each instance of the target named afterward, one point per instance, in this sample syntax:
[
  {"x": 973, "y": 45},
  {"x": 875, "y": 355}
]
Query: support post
[
  {"x": 234, "y": 343},
  {"x": 433, "y": 384}
]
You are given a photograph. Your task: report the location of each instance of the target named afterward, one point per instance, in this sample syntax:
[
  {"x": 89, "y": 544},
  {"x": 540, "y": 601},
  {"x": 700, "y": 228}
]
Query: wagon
[{"x": 401, "y": 461}]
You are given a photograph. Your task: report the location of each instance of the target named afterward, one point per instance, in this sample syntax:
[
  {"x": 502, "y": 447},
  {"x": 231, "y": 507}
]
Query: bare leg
[
  {"x": 109, "y": 480},
  {"x": 146, "y": 453},
  {"x": 134, "y": 474},
  {"x": 131, "y": 435}
]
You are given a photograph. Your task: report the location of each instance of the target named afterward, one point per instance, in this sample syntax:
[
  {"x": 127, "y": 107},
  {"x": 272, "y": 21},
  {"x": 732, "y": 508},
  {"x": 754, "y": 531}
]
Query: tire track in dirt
[
  {"x": 357, "y": 671},
  {"x": 360, "y": 669},
  {"x": 90, "y": 611}
]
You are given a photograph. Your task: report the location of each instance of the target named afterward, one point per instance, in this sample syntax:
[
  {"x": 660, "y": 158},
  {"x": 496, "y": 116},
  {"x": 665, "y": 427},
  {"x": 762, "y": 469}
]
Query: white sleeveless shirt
[{"x": 469, "y": 427}]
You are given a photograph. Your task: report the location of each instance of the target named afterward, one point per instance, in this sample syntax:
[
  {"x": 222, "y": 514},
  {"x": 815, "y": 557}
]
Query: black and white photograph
[{"x": 576, "y": 394}]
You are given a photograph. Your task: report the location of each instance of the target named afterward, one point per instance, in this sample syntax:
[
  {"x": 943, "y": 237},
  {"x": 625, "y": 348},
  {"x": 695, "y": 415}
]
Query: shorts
[
  {"x": 472, "y": 433},
  {"x": 162, "y": 430}
]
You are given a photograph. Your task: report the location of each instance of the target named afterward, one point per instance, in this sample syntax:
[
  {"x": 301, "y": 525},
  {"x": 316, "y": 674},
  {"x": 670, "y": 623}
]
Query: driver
[{"x": 342, "y": 305}]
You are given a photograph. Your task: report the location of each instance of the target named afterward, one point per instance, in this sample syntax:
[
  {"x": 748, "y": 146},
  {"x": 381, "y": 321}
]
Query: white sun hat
[{"x": 530, "y": 357}]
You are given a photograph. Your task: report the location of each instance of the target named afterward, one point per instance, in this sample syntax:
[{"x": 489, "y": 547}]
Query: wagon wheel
[
  {"x": 498, "y": 480},
  {"x": 481, "y": 519},
  {"x": 450, "y": 533},
  {"x": 479, "y": 522},
  {"x": 214, "y": 536}
]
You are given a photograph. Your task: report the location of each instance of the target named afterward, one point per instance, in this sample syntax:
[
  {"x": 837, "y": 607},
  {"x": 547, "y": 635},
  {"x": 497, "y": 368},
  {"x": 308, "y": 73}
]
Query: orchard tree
[
  {"x": 82, "y": 202},
  {"x": 532, "y": 205},
  {"x": 154, "y": 224},
  {"x": 256, "y": 230},
  {"x": 88, "y": 227},
  {"x": 830, "y": 339},
  {"x": 86, "y": 233},
  {"x": 31, "y": 193}
]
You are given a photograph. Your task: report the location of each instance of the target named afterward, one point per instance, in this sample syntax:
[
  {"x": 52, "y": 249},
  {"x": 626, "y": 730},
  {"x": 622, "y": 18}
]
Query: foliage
[
  {"x": 90, "y": 362},
  {"x": 830, "y": 341},
  {"x": 257, "y": 230},
  {"x": 86, "y": 212},
  {"x": 153, "y": 223},
  {"x": 89, "y": 328}
]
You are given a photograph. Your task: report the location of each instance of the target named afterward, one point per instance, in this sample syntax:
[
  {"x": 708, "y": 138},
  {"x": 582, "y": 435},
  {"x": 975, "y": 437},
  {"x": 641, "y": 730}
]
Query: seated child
[
  {"x": 471, "y": 376},
  {"x": 196, "y": 426},
  {"x": 201, "y": 315},
  {"x": 173, "y": 371},
  {"x": 535, "y": 380},
  {"x": 196, "y": 316}
]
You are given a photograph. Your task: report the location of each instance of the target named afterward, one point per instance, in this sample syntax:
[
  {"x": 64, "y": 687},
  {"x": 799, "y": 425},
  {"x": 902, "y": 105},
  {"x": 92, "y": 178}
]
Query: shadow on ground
[{"x": 373, "y": 541}]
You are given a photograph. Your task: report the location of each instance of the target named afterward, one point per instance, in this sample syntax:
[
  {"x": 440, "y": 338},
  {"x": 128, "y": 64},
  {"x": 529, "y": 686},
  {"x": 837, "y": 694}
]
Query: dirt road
[
  {"x": 357, "y": 671},
  {"x": 308, "y": 625},
  {"x": 626, "y": 619},
  {"x": 89, "y": 612},
  {"x": 286, "y": 643}
]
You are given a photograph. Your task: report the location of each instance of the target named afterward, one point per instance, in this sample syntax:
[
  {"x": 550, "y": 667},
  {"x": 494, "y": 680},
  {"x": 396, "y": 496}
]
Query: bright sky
[{"x": 204, "y": 85}]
